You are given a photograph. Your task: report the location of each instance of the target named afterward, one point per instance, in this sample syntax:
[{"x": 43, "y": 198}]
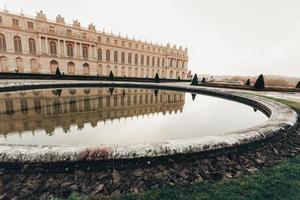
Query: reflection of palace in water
[{"x": 48, "y": 109}]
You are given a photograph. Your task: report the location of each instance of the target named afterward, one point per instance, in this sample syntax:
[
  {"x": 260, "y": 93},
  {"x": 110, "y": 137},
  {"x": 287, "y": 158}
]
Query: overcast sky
[{"x": 245, "y": 37}]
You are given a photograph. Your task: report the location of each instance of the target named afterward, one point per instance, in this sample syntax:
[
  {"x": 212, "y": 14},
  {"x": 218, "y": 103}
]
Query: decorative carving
[
  {"x": 41, "y": 16},
  {"x": 92, "y": 27},
  {"x": 76, "y": 23},
  {"x": 60, "y": 19}
]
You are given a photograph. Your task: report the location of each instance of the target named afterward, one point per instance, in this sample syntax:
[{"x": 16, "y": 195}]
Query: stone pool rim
[{"x": 281, "y": 120}]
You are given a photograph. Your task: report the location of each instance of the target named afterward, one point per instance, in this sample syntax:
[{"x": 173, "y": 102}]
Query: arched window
[
  {"x": 116, "y": 57},
  {"x": 107, "y": 56},
  {"x": 19, "y": 65},
  {"x": 148, "y": 61},
  {"x": 18, "y": 44},
  {"x": 99, "y": 70},
  {"x": 53, "y": 49},
  {"x": 122, "y": 57},
  {"x": 129, "y": 72},
  {"x": 129, "y": 58},
  {"x": 2, "y": 43},
  {"x": 32, "y": 46},
  {"x": 3, "y": 64},
  {"x": 24, "y": 106},
  {"x": 107, "y": 70},
  {"x": 153, "y": 61},
  {"x": 71, "y": 68},
  {"x": 70, "y": 52},
  {"x": 85, "y": 53},
  {"x": 163, "y": 62},
  {"x": 53, "y": 66},
  {"x": 142, "y": 59},
  {"x": 34, "y": 66},
  {"x": 99, "y": 54},
  {"x": 136, "y": 59},
  {"x": 158, "y": 62},
  {"x": 123, "y": 71},
  {"x": 136, "y": 72},
  {"x": 116, "y": 71},
  {"x": 86, "y": 69}
]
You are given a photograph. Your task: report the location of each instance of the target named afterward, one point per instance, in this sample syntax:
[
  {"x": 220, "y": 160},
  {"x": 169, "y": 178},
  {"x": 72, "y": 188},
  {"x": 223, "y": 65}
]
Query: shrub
[
  {"x": 156, "y": 78},
  {"x": 111, "y": 75},
  {"x": 193, "y": 96},
  {"x": 248, "y": 82},
  {"x": 298, "y": 85},
  {"x": 195, "y": 80},
  {"x": 260, "y": 83},
  {"x": 203, "y": 80},
  {"x": 57, "y": 73}
]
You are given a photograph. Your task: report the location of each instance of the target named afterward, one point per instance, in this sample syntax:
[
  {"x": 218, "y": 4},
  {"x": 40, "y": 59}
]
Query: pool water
[{"x": 94, "y": 116}]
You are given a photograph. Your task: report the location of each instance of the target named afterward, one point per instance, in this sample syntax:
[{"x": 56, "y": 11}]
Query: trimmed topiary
[
  {"x": 193, "y": 96},
  {"x": 195, "y": 80},
  {"x": 298, "y": 85},
  {"x": 111, "y": 91},
  {"x": 248, "y": 82},
  {"x": 203, "y": 80},
  {"x": 260, "y": 83},
  {"x": 111, "y": 75},
  {"x": 156, "y": 78},
  {"x": 57, "y": 73}
]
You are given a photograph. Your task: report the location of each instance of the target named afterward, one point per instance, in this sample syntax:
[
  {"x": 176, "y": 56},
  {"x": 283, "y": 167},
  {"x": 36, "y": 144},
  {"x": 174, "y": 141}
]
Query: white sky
[{"x": 245, "y": 37}]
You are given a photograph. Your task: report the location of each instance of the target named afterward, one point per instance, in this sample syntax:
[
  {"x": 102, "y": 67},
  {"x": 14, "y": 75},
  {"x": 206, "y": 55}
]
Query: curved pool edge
[{"x": 282, "y": 120}]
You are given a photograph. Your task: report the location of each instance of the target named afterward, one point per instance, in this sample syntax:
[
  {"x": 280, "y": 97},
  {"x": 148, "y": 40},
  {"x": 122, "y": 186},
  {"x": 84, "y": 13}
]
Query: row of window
[
  {"x": 15, "y": 22},
  {"x": 142, "y": 60},
  {"x": 75, "y": 104},
  {"x": 18, "y": 44}
]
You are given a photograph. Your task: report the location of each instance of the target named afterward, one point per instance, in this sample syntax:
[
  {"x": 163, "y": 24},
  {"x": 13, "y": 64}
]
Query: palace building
[{"x": 38, "y": 45}]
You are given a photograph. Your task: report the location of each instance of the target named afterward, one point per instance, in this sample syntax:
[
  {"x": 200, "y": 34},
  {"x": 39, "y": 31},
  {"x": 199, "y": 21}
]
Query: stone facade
[{"x": 38, "y": 45}]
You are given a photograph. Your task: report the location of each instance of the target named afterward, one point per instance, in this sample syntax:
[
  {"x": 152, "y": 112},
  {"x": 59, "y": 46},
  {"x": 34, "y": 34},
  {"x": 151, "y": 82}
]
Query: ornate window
[
  {"x": 122, "y": 57},
  {"x": 85, "y": 53},
  {"x": 158, "y": 62},
  {"x": 136, "y": 59},
  {"x": 30, "y": 25},
  {"x": 15, "y": 22},
  {"x": 2, "y": 43},
  {"x": 71, "y": 68},
  {"x": 19, "y": 64},
  {"x": 3, "y": 64},
  {"x": 32, "y": 46},
  {"x": 53, "y": 66},
  {"x": 86, "y": 69},
  {"x": 148, "y": 61},
  {"x": 53, "y": 48},
  {"x": 107, "y": 55},
  {"x": 163, "y": 62},
  {"x": 99, "y": 54},
  {"x": 70, "y": 52},
  {"x": 34, "y": 66},
  {"x": 18, "y": 44},
  {"x": 142, "y": 59},
  {"x": 129, "y": 58},
  {"x": 116, "y": 57},
  {"x": 153, "y": 61}
]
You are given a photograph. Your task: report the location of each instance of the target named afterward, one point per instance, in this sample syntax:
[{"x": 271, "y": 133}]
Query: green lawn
[{"x": 278, "y": 182}]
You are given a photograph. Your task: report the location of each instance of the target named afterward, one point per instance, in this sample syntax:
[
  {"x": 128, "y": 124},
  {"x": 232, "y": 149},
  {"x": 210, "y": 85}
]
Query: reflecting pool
[{"x": 96, "y": 116}]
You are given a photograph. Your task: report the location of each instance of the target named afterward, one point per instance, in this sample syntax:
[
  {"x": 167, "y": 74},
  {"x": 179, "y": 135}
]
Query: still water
[{"x": 117, "y": 115}]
